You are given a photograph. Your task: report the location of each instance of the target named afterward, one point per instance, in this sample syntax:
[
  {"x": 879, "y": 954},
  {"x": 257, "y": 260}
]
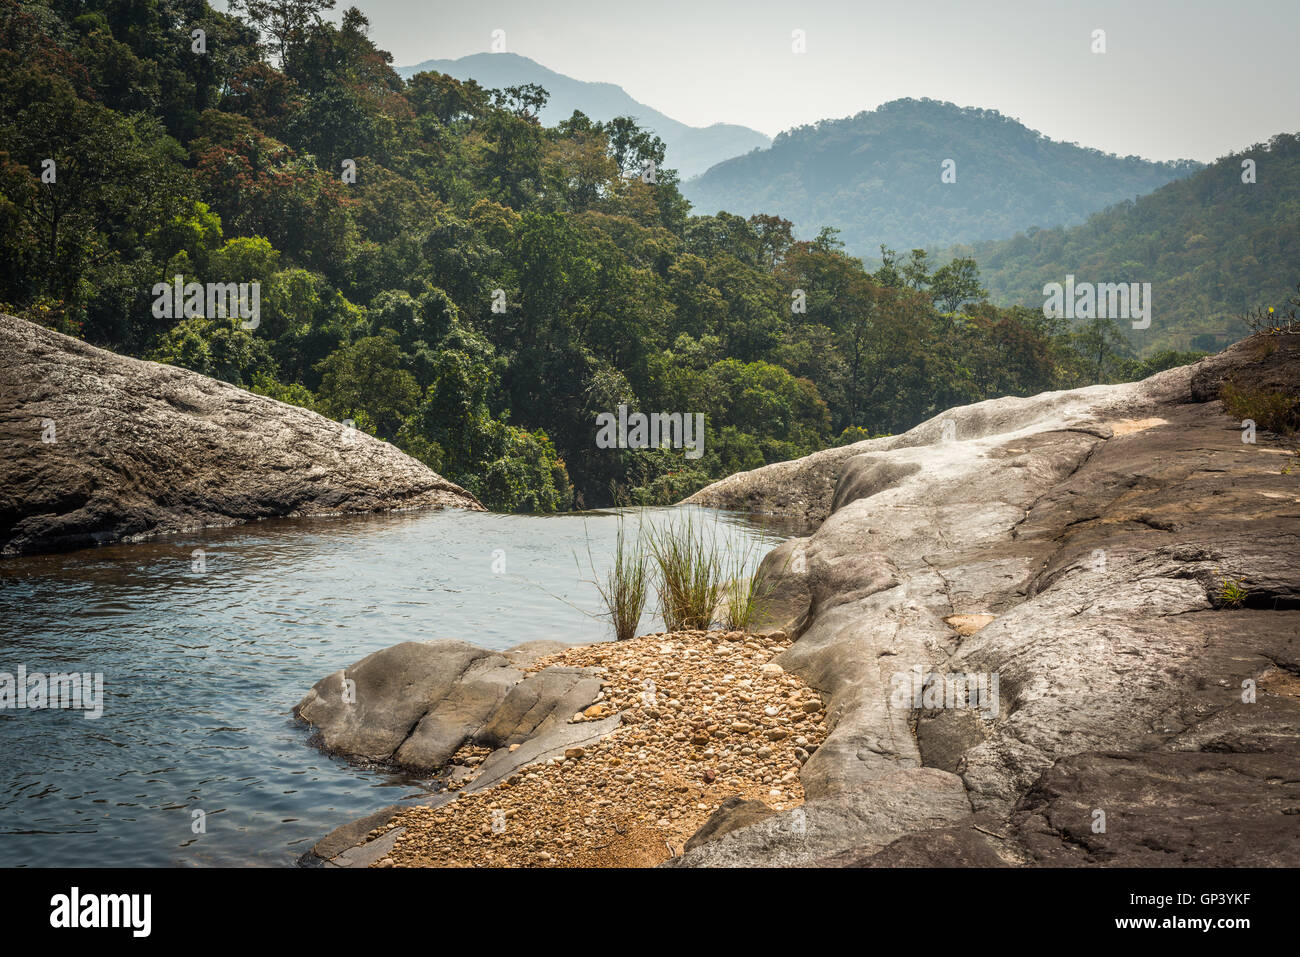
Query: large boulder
[
  {"x": 416, "y": 704},
  {"x": 378, "y": 705},
  {"x": 1082, "y": 550},
  {"x": 97, "y": 447}
]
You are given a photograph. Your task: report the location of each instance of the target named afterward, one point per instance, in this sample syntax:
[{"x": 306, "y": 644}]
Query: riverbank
[
  {"x": 706, "y": 719},
  {"x": 1048, "y": 631},
  {"x": 691, "y": 730}
]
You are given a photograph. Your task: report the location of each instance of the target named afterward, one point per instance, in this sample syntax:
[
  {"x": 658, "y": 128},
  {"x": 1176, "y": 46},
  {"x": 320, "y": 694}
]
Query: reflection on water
[{"x": 201, "y": 668}]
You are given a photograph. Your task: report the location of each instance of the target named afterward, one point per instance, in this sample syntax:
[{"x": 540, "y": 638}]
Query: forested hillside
[
  {"x": 1212, "y": 246},
  {"x": 690, "y": 149},
  {"x": 453, "y": 276},
  {"x": 877, "y": 177}
]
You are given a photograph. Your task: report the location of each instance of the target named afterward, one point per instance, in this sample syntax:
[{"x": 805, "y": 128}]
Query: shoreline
[{"x": 691, "y": 730}]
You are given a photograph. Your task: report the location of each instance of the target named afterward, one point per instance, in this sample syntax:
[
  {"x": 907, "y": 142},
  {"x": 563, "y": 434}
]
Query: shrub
[{"x": 1270, "y": 409}]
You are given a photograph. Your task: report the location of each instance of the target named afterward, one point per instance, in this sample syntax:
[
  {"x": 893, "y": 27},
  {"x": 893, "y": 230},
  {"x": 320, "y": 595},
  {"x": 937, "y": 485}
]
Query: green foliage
[
  {"x": 487, "y": 286},
  {"x": 1232, "y": 593},
  {"x": 1212, "y": 247},
  {"x": 369, "y": 376},
  {"x": 745, "y": 593},
  {"x": 690, "y": 573},
  {"x": 1270, "y": 409},
  {"x": 220, "y": 348},
  {"x": 626, "y": 585}
]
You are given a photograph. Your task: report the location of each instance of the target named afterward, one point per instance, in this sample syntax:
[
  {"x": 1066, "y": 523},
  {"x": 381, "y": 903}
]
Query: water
[{"x": 201, "y": 669}]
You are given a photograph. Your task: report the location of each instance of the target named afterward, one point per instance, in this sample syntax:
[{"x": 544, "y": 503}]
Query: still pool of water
[{"x": 201, "y": 668}]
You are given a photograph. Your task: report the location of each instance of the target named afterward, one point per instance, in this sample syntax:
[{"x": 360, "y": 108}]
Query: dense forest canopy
[
  {"x": 1222, "y": 242},
  {"x": 437, "y": 266}
]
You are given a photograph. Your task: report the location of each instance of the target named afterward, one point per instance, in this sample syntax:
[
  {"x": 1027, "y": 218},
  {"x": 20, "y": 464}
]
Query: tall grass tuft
[
  {"x": 690, "y": 574},
  {"x": 624, "y": 589},
  {"x": 745, "y": 593}
]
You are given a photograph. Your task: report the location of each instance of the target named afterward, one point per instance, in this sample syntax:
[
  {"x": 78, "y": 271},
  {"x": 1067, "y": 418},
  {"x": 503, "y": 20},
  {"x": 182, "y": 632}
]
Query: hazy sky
[{"x": 1180, "y": 78}]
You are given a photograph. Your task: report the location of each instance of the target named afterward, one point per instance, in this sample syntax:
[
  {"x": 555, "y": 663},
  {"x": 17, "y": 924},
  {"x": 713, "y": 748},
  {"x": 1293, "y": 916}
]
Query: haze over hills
[
  {"x": 876, "y": 176},
  {"x": 691, "y": 149},
  {"x": 1212, "y": 246}
]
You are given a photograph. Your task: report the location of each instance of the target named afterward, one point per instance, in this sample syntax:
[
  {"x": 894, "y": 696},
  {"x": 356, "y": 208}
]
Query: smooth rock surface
[
  {"x": 142, "y": 449},
  {"x": 1089, "y": 535},
  {"x": 416, "y": 704}
]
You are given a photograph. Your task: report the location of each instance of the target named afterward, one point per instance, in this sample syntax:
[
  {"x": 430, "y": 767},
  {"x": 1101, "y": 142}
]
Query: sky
[{"x": 1179, "y": 78}]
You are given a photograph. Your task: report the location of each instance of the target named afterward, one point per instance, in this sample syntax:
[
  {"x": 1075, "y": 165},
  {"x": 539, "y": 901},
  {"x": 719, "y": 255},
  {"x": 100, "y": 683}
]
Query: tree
[
  {"x": 634, "y": 150},
  {"x": 285, "y": 21},
  {"x": 367, "y": 377},
  {"x": 956, "y": 284}
]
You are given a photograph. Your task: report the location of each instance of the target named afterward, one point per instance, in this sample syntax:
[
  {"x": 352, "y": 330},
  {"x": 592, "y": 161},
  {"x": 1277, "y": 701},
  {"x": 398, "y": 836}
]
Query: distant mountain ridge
[
  {"x": 691, "y": 149},
  {"x": 1212, "y": 246},
  {"x": 876, "y": 177}
]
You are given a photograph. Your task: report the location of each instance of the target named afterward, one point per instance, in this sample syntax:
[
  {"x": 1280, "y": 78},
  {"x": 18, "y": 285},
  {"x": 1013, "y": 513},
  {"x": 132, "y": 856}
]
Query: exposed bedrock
[
  {"x": 416, "y": 704},
  {"x": 97, "y": 447},
  {"x": 1078, "y": 553}
]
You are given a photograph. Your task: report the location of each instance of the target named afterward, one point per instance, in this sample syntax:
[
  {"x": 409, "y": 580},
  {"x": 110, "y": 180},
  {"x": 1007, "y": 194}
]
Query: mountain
[
  {"x": 876, "y": 177},
  {"x": 1212, "y": 247},
  {"x": 691, "y": 149}
]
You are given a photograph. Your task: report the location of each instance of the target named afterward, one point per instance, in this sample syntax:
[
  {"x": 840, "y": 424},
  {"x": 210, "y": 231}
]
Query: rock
[
  {"x": 537, "y": 704},
  {"x": 391, "y": 693},
  {"x": 733, "y": 813},
  {"x": 476, "y": 696},
  {"x": 415, "y": 704},
  {"x": 967, "y": 625},
  {"x": 144, "y": 449},
  {"x": 1069, "y": 551}
]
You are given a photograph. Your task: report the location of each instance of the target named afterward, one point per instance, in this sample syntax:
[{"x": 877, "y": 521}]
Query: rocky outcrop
[
  {"x": 1113, "y": 567},
  {"x": 96, "y": 447},
  {"x": 682, "y": 725},
  {"x": 416, "y": 704}
]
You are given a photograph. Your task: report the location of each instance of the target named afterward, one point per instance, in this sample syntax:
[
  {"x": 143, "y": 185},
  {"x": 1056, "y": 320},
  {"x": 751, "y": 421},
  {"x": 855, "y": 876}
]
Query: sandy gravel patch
[{"x": 706, "y": 716}]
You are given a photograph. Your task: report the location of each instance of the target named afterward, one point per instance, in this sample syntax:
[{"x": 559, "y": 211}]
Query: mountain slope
[
  {"x": 1212, "y": 246},
  {"x": 876, "y": 177},
  {"x": 691, "y": 149}
]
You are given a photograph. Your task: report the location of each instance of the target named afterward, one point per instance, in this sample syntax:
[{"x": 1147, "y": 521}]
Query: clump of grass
[
  {"x": 1232, "y": 593},
  {"x": 690, "y": 578},
  {"x": 625, "y": 588},
  {"x": 1271, "y": 410},
  {"x": 746, "y": 595}
]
